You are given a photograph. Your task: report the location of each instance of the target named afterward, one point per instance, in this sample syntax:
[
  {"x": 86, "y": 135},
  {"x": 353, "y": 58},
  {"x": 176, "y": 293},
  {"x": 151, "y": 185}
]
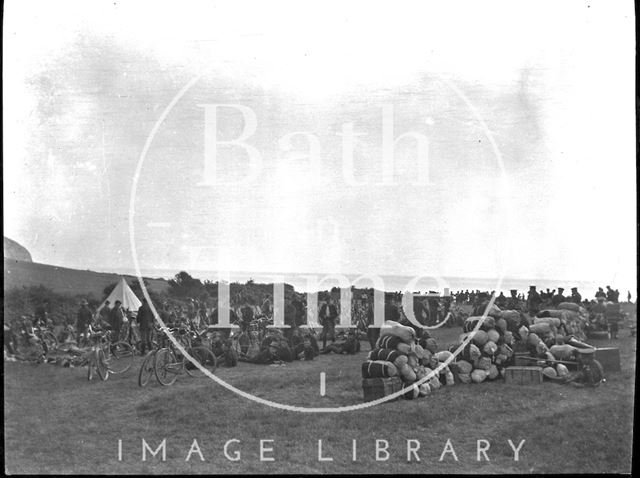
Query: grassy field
[{"x": 58, "y": 422}]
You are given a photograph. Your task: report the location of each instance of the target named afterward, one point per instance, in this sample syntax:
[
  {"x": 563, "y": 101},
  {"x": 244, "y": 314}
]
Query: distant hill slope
[
  {"x": 63, "y": 280},
  {"x": 13, "y": 250}
]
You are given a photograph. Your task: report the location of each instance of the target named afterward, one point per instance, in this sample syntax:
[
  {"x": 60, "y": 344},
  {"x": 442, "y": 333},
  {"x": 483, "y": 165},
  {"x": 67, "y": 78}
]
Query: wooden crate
[
  {"x": 523, "y": 375},
  {"x": 375, "y": 388},
  {"x": 609, "y": 358}
]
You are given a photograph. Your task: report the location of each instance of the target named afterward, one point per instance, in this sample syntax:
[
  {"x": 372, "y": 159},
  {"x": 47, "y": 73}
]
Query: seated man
[
  {"x": 274, "y": 348},
  {"x": 346, "y": 344},
  {"x": 590, "y": 372},
  {"x": 304, "y": 346}
]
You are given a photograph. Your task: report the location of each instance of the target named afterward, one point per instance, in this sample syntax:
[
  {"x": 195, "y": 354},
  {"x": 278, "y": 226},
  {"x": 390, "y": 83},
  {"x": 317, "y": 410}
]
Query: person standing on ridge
[
  {"x": 533, "y": 300},
  {"x": 558, "y": 298},
  {"x": 575, "y": 296}
]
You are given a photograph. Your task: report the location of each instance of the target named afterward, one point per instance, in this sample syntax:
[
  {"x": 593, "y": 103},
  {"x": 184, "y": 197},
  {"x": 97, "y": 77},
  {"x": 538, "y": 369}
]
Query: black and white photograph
[{"x": 319, "y": 237}]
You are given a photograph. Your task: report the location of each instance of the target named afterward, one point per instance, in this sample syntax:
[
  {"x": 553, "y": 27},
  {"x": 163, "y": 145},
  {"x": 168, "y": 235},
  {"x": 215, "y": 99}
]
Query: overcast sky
[{"x": 527, "y": 108}]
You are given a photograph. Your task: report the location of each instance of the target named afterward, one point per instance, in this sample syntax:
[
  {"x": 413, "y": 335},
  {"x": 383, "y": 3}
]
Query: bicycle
[
  {"x": 159, "y": 340},
  {"x": 114, "y": 357},
  {"x": 221, "y": 345},
  {"x": 47, "y": 338},
  {"x": 148, "y": 367},
  {"x": 169, "y": 361},
  {"x": 97, "y": 364},
  {"x": 250, "y": 337}
]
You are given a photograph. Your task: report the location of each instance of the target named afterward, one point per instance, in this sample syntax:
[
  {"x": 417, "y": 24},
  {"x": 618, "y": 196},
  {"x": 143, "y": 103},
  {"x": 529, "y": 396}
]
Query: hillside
[
  {"x": 63, "y": 280},
  {"x": 13, "y": 250}
]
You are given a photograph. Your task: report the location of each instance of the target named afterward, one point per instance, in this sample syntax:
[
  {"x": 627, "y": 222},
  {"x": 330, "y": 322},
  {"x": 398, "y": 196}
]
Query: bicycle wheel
[
  {"x": 120, "y": 357},
  {"x": 204, "y": 357},
  {"x": 147, "y": 369},
  {"x": 166, "y": 367},
  {"x": 101, "y": 364}
]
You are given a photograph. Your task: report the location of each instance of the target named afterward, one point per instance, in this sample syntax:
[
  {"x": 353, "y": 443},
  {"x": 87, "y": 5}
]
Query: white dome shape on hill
[{"x": 13, "y": 250}]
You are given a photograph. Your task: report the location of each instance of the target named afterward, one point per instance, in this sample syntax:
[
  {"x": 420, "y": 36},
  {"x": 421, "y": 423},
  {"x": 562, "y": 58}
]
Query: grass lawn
[{"x": 58, "y": 422}]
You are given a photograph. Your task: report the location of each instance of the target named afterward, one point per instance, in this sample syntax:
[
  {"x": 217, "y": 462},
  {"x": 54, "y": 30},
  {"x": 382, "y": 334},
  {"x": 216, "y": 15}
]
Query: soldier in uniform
[
  {"x": 328, "y": 316},
  {"x": 84, "y": 320},
  {"x": 513, "y": 303},
  {"x": 612, "y": 315},
  {"x": 558, "y": 298},
  {"x": 590, "y": 373},
  {"x": 575, "y": 296},
  {"x": 533, "y": 300}
]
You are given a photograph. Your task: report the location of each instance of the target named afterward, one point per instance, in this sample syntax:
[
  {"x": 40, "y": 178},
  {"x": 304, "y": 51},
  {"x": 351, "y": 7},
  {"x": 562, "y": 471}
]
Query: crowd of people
[{"x": 136, "y": 326}]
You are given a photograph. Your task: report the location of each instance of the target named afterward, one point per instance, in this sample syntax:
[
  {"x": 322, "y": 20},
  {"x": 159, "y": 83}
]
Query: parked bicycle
[
  {"x": 248, "y": 339},
  {"x": 219, "y": 343},
  {"x": 47, "y": 338},
  {"x": 168, "y": 362},
  {"x": 108, "y": 357}
]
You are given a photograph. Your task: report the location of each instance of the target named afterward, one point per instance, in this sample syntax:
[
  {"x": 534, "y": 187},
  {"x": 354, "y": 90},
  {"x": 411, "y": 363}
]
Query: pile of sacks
[
  {"x": 573, "y": 318},
  {"x": 399, "y": 353},
  {"x": 489, "y": 351},
  {"x": 513, "y": 319}
]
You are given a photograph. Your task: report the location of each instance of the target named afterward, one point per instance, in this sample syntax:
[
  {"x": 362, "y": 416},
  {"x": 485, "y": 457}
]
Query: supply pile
[{"x": 399, "y": 354}]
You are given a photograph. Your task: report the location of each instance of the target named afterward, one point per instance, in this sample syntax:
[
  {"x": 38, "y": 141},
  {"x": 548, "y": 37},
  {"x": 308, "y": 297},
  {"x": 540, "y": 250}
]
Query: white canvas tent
[{"x": 124, "y": 294}]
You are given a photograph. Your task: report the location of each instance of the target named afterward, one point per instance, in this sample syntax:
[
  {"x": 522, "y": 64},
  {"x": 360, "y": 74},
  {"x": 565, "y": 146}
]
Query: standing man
[
  {"x": 575, "y": 295},
  {"x": 116, "y": 320},
  {"x": 83, "y": 321},
  {"x": 145, "y": 322},
  {"x": 533, "y": 300},
  {"x": 612, "y": 314},
  {"x": 328, "y": 315},
  {"x": 601, "y": 293},
  {"x": 513, "y": 303},
  {"x": 610, "y": 294},
  {"x": 616, "y": 296},
  {"x": 558, "y": 298}
]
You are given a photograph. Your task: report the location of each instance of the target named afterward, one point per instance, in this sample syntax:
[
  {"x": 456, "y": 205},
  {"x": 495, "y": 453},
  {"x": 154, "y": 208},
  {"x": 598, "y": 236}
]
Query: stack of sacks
[
  {"x": 512, "y": 319},
  {"x": 576, "y": 318},
  {"x": 390, "y": 357},
  {"x": 494, "y": 311},
  {"x": 570, "y": 321},
  {"x": 397, "y": 353},
  {"x": 488, "y": 353}
]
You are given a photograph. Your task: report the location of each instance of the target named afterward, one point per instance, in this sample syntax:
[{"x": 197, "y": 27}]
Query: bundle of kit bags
[
  {"x": 572, "y": 318},
  {"x": 399, "y": 353},
  {"x": 491, "y": 348}
]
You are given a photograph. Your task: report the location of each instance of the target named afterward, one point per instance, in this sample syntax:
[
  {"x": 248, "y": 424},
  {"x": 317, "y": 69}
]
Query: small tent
[{"x": 124, "y": 294}]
